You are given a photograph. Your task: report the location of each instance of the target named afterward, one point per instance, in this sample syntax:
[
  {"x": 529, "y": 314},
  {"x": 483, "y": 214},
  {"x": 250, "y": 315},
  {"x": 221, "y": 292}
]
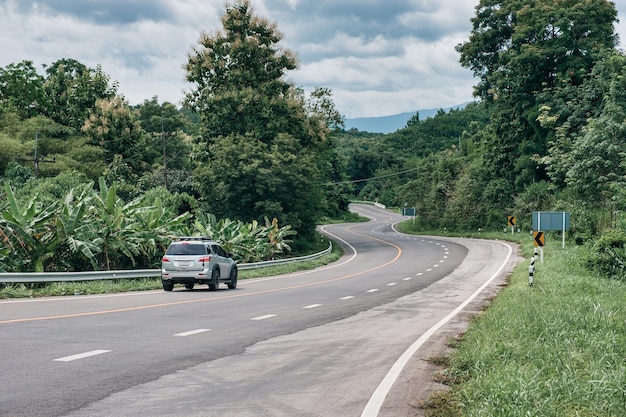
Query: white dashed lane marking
[
  {"x": 192, "y": 332},
  {"x": 81, "y": 355},
  {"x": 267, "y": 316}
]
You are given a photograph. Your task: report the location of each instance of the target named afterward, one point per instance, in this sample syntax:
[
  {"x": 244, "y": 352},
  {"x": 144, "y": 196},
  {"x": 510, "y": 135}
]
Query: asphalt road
[{"x": 328, "y": 342}]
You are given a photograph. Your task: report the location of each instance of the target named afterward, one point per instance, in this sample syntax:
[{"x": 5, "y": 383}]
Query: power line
[{"x": 373, "y": 178}]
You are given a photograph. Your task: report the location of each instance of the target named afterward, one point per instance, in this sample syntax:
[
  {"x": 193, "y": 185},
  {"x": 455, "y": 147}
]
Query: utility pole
[
  {"x": 37, "y": 159},
  {"x": 163, "y": 141}
]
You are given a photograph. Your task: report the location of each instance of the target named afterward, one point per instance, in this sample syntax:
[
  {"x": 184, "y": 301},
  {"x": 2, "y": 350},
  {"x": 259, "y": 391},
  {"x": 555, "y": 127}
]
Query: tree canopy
[
  {"x": 547, "y": 132},
  {"x": 520, "y": 48},
  {"x": 263, "y": 144}
]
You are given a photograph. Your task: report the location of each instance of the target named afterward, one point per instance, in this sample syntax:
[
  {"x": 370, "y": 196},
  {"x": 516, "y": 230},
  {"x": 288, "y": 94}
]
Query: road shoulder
[{"x": 418, "y": 382}]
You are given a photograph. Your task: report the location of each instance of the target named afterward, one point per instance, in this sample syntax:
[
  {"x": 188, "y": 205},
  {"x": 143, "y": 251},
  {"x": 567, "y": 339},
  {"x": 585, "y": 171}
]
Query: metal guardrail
[
  {"x": 373, "y": 203},
  {"x": 24, "y": 277},
  {"x": 29, "y": 277}
]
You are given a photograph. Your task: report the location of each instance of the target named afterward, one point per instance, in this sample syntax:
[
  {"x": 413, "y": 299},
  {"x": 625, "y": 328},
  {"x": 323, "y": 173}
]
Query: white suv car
[{"x": 197, "y": 260}]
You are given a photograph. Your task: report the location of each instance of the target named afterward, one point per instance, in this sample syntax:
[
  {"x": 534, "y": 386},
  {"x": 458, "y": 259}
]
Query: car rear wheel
[
  {"x": 189, "y": 286},
  {"x": 232, "y": 284},
  {"x": 168, "y": 286},
  {"x": 215, "y": 280}
]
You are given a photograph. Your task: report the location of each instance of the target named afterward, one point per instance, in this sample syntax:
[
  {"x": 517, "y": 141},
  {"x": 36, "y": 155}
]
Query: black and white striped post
[{"x": 531, "y": 269}]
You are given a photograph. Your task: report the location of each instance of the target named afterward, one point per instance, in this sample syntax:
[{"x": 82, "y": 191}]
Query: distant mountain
[{"x": 389, "y": 124}]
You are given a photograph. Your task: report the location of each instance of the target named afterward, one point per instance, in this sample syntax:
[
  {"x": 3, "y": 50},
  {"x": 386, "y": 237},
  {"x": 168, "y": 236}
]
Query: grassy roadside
[{"x": 555, "y": 349}]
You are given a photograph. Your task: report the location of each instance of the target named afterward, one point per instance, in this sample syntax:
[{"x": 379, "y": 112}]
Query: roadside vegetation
[
  {"x": 91, "y": 182},
  {"x": 554, "y": 349},
  {"x": 43, "y": 289}
]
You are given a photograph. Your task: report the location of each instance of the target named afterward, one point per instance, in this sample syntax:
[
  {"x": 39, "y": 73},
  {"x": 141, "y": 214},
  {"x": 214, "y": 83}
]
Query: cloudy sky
[{"x": 379, "y": 57}]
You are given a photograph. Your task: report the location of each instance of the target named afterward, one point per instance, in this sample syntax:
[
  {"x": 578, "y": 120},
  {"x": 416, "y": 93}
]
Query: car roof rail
[{"x": 200, "y": 238}]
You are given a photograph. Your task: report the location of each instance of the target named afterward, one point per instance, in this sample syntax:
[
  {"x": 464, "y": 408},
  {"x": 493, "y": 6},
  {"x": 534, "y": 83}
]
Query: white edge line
[
  {"x": 322, "y": 268},
  {"x": 378, "y": 397},
  {"x": 81, "y": 355}
]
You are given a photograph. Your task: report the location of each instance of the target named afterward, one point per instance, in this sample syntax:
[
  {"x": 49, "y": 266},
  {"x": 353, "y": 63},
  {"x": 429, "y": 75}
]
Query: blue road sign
[{"x": 550, "y": 220}]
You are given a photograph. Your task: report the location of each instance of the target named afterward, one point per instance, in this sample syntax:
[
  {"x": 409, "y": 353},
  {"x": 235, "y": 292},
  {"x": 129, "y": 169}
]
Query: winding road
[{"x": 340, "y": 340}]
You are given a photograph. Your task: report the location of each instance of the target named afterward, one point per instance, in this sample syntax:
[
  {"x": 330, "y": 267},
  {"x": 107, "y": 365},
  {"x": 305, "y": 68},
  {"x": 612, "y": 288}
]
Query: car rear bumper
[{"x": 185, "y": 277}]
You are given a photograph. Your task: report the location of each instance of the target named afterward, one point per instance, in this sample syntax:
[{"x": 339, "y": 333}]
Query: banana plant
[
  {"x": 255, "y": 241},
  {"x": 118, "y": 237},
  {"x": 278, "y": 237},
  {"x": 234, "y": 236},
  {"x": 8, "y": 260},
  {"x": 75, "y": 230},
  {"x": 30, "y": 229},
  {"x": 249, "y": 242},
  {"x": 156, "y": 227}
]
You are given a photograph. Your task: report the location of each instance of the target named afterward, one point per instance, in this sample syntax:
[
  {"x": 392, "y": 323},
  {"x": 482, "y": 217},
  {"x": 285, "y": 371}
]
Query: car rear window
[{"x": 186, "y": 249}]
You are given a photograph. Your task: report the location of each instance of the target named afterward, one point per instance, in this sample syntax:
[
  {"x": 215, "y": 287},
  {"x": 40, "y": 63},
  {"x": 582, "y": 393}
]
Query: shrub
[{"x": 608, "y": 255}]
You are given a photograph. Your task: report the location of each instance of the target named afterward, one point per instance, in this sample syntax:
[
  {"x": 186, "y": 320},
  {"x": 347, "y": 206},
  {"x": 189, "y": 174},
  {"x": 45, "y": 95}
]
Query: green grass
[
  {"x": 555, "y": 349},
  {"x": 347, "y": 217},
  {"x": 51, "y": 289}
]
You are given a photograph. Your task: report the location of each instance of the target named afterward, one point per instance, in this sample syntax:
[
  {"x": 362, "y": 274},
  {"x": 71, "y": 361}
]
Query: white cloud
[{"x": 378, "y": 57}]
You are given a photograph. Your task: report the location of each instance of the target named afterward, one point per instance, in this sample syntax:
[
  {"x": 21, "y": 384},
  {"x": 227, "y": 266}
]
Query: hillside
[{"x": 391, "y": 123}]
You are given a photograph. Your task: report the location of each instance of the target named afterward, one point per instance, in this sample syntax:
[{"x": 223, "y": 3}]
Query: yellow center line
[{"x": 174, "y": 303}]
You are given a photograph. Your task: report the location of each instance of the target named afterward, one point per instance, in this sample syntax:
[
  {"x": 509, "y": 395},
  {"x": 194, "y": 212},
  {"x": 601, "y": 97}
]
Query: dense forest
[{"x": 92, "y": 182}]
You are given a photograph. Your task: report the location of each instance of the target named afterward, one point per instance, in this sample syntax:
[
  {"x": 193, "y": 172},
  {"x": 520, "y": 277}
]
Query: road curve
[{"x": 338, "y": 340}]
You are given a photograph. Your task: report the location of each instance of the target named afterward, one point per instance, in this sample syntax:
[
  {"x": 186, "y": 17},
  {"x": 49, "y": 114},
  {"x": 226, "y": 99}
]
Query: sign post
[
  {"x": 563, "y": 234},
  {"x": 408, "y": 211},
  {"x": 511, "y": 222},
  {"x": 539, "y": 242},
  {"x": 548, "y": 220}
]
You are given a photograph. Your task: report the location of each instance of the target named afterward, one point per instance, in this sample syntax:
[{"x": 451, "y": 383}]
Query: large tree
[
  {"x": 260, "y": 145},
  {"x": 171, "y": 146},
  {"x": 588, "y": 152},
  {"x": 22, "y": 89},
  {"x": 519, "y": 48},
  {"x": 113, "y": 127},
  {"x": 72, "y": 90}
]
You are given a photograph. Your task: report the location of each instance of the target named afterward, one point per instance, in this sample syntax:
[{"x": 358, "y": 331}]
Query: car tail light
[
  {"x": 164, "y": 259},
  {"x": 205, "y": 259}
]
